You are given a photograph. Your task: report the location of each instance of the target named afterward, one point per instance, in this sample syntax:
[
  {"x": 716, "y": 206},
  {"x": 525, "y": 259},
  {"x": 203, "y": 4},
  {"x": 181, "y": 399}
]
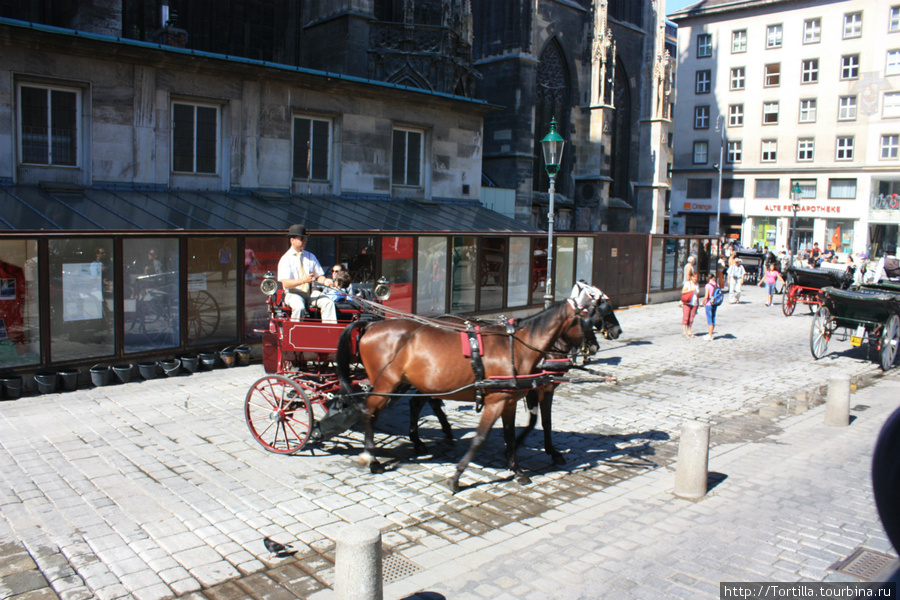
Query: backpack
[{"x": 717, "y": 296}]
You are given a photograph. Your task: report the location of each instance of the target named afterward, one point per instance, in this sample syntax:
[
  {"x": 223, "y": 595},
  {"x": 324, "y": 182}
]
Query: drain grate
[
  {"x": 395, "y": 567},
  {"x": 864, "y": 564}
]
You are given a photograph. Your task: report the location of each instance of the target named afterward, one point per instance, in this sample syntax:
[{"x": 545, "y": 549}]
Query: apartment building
[{"x": 775, "y": 97}]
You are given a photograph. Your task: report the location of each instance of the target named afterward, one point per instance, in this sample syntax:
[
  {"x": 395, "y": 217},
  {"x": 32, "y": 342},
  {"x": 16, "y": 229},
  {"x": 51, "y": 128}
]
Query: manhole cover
[
  {"x": 395, "y": 567},
  {"x": 864, "y": 564}
]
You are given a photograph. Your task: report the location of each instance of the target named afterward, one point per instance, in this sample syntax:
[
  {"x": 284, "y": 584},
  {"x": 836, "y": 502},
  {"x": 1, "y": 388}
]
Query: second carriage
[{"x": 803, "y": 285}]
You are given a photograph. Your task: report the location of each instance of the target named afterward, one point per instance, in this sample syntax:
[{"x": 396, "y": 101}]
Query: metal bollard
[
  {"x": 357, "y": 565},
  {"x": 837, "y": 403},
  {"x": 693, "y": 461}
]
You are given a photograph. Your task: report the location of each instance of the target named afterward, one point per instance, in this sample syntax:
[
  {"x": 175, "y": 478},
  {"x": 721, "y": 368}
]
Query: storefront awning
[{"x": 61, "y": 208}]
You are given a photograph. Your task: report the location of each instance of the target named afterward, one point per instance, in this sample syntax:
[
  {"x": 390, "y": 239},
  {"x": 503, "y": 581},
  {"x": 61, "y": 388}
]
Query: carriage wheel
[
  {"x": 203, "y": 315},
  {"x": 890, "y": 337},
  {"x": 789, "y": 301},
  {"x": 820, "y": 332},
  {"x": 278, "y": 414}
]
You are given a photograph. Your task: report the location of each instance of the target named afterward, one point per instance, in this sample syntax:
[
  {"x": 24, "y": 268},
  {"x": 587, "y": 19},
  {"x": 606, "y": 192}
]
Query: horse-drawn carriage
[
  {"x": 870, "y": 313},
  {"x": 805, "y": 284},
  {"x": 323, "y": 378}
]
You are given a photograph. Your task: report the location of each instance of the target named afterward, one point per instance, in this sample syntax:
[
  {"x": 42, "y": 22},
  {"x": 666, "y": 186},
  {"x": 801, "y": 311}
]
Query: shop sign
[
  {"x": 698, "y": 206},
  {"x": 886, "y": 202},
  {"x": 809, "y": 208}
]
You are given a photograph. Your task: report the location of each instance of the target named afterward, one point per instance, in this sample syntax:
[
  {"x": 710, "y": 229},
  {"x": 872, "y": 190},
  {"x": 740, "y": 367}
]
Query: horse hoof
[
  {"x": 420, "y": 449},
  {"x": 376, "y": 467},
  {"x": 558, "y": 459},
  {"x": 365, "y": 459},
  {"x": 523, "y": 480},
  {"x": 453, "y": 484}
]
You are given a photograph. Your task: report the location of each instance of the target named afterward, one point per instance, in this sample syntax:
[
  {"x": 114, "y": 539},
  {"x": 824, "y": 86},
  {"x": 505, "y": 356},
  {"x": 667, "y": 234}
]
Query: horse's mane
[{"x": 538, "y": 320}]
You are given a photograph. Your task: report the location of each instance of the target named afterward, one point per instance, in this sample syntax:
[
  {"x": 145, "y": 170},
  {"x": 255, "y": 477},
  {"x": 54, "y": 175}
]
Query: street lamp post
[
  {"x": 796, "y": 193},
  {"x": 720, "y": 127},
  {"x": 552, "y": 145}
]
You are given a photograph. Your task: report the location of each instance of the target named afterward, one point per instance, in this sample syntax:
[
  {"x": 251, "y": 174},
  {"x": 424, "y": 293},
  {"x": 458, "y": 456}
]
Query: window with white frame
[
  {"x": 734, "y": 152},
  {"x": 805, "y": 149},
  {"x": 807, "y": 188},
  {"x": 704, "y": 45},
  {"x": 773, "y": 36},
  {"x": 407, "y": 158},
  {"x": 894, "y": 19},
  {"x": 312, "y": 148},
  {"x": 890, "y": 144},
  {"x": 773, "y": 75},
  {"x": 701, "y": 117},
  {"x": 812, "y": 31},
  {"x": 770, "y": 113},
  {"x": 850, "y": 66},
  {"x": 738, "y": 78},
  {"x": 736, "y": 115},
  {"x": 842, "y": 189},
  {"x": 892, "y": 66},
  {"x": 843, "y": 148},
  {"x": 891, "y": 107},
  {"x": 769, "y": 151},
  {"x": 48, "y": 125},
  {"x": 701, "y": 153},
  {"x": 809, "y": 70},
  {"x": 738, "y": 41},
  {"x": 808, "y": 110},
  {"x": 847, "y": 108},
  {"x": 703, "y": 82},
  {"x": 852, "y": 25},
  {"x": 195, "y": 138}
]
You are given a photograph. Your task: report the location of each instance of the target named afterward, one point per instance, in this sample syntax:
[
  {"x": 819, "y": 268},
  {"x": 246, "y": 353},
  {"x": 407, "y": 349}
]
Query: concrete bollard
[
  {"x": 357, "y": 564},
  {"x": 693, "y": 461},
  {"x": 837, "y": 403}
]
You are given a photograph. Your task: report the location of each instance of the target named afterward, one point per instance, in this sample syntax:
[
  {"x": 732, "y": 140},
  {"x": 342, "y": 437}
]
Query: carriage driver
[{"x": 297, "y": 270}]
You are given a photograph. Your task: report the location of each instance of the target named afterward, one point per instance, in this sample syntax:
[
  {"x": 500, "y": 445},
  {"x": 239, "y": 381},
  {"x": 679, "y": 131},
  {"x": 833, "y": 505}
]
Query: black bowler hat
[
  {"x": 298, "y": 230},
  {"x": 890, "y": 249}
]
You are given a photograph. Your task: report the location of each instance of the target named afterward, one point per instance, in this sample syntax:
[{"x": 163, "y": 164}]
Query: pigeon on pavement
[{"x": 274, "y": 548}]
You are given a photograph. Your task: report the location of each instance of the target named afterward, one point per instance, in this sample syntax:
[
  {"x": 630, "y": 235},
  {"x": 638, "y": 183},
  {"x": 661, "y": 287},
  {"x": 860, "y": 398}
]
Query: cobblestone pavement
[{"x": 156, "y": 489}]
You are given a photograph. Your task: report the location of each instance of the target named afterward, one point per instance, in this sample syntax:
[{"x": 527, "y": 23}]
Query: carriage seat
[{"x": 285, "y": 311}]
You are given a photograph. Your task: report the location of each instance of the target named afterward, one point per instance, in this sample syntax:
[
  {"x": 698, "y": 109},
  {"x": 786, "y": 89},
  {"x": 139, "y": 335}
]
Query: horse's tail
[{"x": 345, "y": 354}]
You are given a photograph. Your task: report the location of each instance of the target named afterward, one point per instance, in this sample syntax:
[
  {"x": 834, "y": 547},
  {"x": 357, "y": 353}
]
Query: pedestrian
[
  {"x": 689, "y": 268},
  {"x": 225, "y": 262},
  {"x": 709, "y": 291},
  {"x": 736, "y": 274},
  {"x": 888, "y": 267},
  {"x": 689, "y": 300},
  {"x": 771, "y": 278}
]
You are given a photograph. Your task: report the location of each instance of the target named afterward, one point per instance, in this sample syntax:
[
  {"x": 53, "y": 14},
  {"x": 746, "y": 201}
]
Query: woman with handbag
[{"x": 688, "y": 304}]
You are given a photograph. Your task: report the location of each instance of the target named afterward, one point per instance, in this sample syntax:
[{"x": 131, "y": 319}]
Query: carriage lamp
[
  {"x": 796, "y": 193},
  {"x": 382, "y": 290},
  {"x": 268, "y": 286},
  {"x": 552, "y": 145}
]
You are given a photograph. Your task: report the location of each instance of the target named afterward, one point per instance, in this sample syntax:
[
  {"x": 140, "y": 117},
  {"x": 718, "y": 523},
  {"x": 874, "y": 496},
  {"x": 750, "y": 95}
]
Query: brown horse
[{"x": 428, "y": 356}]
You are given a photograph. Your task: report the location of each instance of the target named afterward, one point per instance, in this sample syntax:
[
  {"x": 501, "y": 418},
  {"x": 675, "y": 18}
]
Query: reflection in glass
[
  {"x": 431, "y": 294},
  {"x": 584, "y": 267},
  {"x": 538, "y": 270},
  {"x": 493, "y": 268},
  {"x": 261, "y": 254},
  {"x": 657, "y": 254},
  {"x": 358, "y": 255},
  {"x": 397, "y": 267},
  {"x": 519, "y": 261},
  {"x": 211, "y": 290},
  {"x": 464, "y": 271},
  {"x": 564, "y": 267},
  {"x": 19, "y": 342},
  {"x": 81, "y": 307},
  {"x": 151, "y": 294}
]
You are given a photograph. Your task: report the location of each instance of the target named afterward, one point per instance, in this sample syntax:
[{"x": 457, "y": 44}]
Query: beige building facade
[{"x": 775, "y": 97}]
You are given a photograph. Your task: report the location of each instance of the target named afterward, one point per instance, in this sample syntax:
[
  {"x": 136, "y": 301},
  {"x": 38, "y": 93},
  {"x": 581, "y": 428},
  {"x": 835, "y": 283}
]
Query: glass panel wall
[
  {"x": 564, "y": 268},
  {"x": 397, "y": 266},
  {"x": 211, "y": 290},
  {"x": 19, "y": 321},
  {"x": 151, "y": 294},
  {"x": 431, "y": 292},
  {"x": 519, "y": 261},
  {"x": 358, "y": 254},
  {"x": 493, "y": 270},
  {"x": 261, "y": 254},
  {"x": 538, "y": 270},
  {"x": 657, "y": 256},
  {"x": 81, "y": 309},
  {"x": 584, "y": 267},
  {"x": 464, "y": 269}
]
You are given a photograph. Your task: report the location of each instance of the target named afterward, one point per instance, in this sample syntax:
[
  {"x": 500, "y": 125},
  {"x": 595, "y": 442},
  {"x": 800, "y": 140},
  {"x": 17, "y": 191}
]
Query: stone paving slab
[{"x": 155, "y": 489}]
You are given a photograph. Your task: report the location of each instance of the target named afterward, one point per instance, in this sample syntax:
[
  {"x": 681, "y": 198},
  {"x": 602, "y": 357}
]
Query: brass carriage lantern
[
  {"x": 552, "y": 145},
  {"x": 796, "y": 194}
]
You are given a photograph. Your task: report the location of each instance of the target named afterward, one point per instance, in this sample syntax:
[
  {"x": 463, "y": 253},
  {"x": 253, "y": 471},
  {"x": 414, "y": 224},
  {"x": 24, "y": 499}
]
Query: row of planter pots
[{"x": 48, "y": 382}]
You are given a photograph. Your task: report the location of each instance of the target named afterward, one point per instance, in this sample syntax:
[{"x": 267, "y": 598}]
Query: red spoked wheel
[
  {"x": 279, "y": 414},
  {"x": 789, "y": 300}
]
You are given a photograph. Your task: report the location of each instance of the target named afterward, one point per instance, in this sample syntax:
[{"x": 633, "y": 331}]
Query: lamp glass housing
[{"x": 552, "y": 145}]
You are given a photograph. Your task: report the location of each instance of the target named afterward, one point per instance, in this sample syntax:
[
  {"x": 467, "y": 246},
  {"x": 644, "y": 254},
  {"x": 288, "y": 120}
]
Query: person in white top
[
  {"x": 888, "y": 267},
  {"x": 297, "y": 270}
]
